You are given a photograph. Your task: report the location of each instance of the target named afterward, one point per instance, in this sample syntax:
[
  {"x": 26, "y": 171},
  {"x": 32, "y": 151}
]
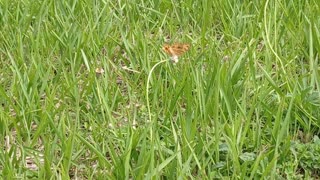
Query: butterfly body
[{"x": 175, "y": 50}]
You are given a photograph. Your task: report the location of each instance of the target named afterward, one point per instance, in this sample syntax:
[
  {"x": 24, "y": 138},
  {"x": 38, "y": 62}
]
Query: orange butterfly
[{"x": 175, "y": 50}]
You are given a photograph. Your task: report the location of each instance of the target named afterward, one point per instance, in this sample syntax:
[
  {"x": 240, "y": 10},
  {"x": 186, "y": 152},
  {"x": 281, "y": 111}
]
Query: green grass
[{"x": 243, "y": 103}]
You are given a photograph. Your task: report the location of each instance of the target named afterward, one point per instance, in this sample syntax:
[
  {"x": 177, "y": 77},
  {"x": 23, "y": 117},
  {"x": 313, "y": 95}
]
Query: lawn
[{"x": 88, "y": 89}]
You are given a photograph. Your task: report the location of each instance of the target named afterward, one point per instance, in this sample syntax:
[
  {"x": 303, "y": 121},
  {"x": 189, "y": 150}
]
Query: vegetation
[{"x": 88, "y": 93}]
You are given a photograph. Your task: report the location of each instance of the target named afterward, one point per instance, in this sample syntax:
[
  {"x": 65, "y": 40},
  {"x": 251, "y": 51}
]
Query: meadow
[{"x": 88, "y": 92}]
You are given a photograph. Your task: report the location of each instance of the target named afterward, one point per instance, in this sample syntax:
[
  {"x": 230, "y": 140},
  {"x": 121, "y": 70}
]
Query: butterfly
[{"x": 175, "y": 50}]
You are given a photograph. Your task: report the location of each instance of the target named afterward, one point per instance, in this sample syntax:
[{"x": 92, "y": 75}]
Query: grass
[{"x": 243, "y": 103}]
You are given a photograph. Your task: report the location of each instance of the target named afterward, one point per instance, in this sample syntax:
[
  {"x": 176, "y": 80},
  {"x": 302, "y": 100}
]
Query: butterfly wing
[
  {"x": 176, "y": 49},
  {"x": 179, "y": 49},
  {"x": 167, "y": 49}
]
